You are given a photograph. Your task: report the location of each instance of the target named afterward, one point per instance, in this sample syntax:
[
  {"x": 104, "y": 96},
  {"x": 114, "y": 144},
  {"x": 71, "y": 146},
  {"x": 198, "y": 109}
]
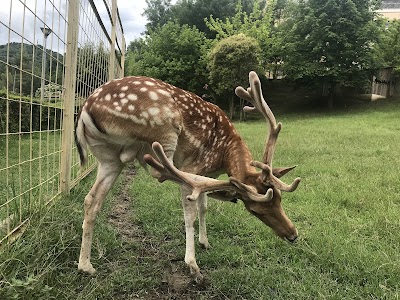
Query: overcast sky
[
  {"x": 131, "y": 14},
  {"x": 132, "y": 19},
  {"x": 23, "y": 20}
]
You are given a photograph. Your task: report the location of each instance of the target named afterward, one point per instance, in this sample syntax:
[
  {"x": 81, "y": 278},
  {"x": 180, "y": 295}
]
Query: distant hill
[
  {"x": 27, "y": 59},
  {"x": 25, "y": 68}
]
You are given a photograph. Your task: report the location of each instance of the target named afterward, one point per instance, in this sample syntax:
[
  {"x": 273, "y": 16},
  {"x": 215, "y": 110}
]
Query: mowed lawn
[{"x": 346, "y": 209}]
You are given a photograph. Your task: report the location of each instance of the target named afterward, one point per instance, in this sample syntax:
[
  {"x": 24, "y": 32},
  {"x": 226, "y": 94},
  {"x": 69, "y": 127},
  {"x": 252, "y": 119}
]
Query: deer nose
[{"x": 292, "y": 238}]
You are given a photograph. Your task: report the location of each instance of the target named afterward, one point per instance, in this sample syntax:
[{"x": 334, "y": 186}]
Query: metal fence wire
[{"x": 53, "y": 54}]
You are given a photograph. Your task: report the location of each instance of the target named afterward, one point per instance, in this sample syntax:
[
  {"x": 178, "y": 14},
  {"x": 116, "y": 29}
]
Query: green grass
[{"x": 346, "y": 209}]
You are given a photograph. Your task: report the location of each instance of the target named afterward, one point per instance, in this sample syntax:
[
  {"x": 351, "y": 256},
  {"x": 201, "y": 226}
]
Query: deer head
[{"x": 260, "y": 191}]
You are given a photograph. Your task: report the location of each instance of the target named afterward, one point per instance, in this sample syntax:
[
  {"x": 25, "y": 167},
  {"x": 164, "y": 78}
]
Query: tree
[
  {"x": 191, "y": 12},
  {"x": 158, "y": 13},
  {"x": 92, "y": 68},
  {"x": 261, "y": 24},
  {"x": 329, "y": 44},
  {"x": 230, "y": 62},
  {"x": 172, "y": 53},
  {"x": 387, "y": 49},
  {"x": 194, "y": 12},
  {"x": 24, "y": 60},
  {"x": 133, "y": 56}
]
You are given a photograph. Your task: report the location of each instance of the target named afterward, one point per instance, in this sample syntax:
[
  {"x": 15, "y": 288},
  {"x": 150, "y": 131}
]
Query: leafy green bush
[{"x": 26, "y": 116}]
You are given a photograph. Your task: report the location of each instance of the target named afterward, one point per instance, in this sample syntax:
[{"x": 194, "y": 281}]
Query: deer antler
[
  {"x": 254, "y": 95},
  {"x": 201, "y": 184}
]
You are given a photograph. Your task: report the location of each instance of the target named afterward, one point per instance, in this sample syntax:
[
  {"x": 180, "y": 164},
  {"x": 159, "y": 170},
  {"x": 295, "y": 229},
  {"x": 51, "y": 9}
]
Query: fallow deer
[{"x": 139, "y": 118}]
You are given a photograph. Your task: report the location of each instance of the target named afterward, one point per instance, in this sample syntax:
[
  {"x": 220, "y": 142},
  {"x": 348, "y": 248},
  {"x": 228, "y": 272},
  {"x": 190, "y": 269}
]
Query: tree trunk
[
  {"x": 231, "y": 108},
  {"x": 331, "y": 100},
  {"x": 241, "y": 111},
  {"x": 331, "y": 96}
]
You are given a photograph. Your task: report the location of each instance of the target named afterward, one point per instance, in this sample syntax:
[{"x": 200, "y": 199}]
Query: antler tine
[
  {"x": 200, "y": 184},
  {"x": 270, "y": 178},
  {"x": 251, "y": 192},
  {"x": 263, "y": 107},
  {"x": 254, "y": 95}
]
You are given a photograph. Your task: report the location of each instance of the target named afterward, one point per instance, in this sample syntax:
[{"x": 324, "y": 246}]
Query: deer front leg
[
  {"x": 202, "y": 209},
  {"x": 190, "y": 212},
  {"x": 106, "y": 176}
]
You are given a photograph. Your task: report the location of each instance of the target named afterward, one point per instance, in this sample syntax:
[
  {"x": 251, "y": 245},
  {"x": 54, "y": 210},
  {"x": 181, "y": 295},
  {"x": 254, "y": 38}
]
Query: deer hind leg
[
  {"x": 106, "y": 175},
  {"x": 190, "y": 212},
  {"x": 202, "y": 209}
]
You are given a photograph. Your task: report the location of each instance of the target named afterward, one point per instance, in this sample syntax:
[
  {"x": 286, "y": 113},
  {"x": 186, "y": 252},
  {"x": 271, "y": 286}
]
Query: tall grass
[{"x": 346, "y": 209}]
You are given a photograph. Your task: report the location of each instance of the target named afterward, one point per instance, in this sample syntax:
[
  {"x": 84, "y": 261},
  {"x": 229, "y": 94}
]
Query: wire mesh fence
[{"x": 53, "y": 54}]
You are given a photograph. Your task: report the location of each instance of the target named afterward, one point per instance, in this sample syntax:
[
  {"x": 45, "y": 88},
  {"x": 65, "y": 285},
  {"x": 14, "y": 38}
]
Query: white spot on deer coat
[
  {"x": 137, "y": 120},
  {"x": 163, "y": 92},
  {"x": 132, "y": 97},
  {"x": 143, "y": 89},
  {"x": 121, "y": 95},
  {"x": 124, "y": 101},
  {"x": 153, "y": 95},
  {"x": 168, "y": 112},
  {"x": 149, "y": 83},
  {"x": 107, "y": 97},
  {"x": 127, "y": 116},
  {"x": 154, "y": 111},
  {"x": 131, "y": 107},
  {"x": 124, "y": 88}
]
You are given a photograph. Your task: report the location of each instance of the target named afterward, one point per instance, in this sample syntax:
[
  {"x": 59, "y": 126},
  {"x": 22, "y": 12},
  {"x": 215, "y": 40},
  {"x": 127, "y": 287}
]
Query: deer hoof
[
  {"x": 88, "y": 269},
  {"x": 198, "y": 278},
  {"x": 205, "y": 245}
]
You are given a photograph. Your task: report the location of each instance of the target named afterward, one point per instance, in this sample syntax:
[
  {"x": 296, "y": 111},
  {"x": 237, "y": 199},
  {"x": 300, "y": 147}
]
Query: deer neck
[{"x": 237, "y": 160}]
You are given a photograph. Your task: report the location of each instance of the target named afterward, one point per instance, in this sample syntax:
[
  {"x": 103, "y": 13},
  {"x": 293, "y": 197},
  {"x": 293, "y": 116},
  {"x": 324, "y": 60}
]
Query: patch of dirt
[
  {"x": 120, "y": 216},
  {"x": 176, "y": 282}
]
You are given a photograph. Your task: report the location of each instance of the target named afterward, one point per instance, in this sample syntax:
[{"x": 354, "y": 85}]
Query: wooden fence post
[
  {"x": 111, "y": 70},
  {"x": 71, "y": 57},
  {"x": 123, "y": 57}
]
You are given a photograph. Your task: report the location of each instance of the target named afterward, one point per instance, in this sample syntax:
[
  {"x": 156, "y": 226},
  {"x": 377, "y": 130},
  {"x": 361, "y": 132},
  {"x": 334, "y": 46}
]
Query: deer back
[{"x": 140, "y": 109}]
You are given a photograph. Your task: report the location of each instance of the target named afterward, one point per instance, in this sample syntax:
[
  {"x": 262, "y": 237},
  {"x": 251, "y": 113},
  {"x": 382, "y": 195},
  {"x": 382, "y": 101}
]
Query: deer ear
[{"x": 279, "y": 172}]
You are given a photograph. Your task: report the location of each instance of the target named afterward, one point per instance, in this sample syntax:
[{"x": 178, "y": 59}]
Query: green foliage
[
  {"x": 25, "y": 68},
  {"x": 157, "y": 13},
  {"x": 387, "y": 49},
  {"x": 191, "y": 12},
  {"x": 92, "y": 68},
  {"x": 263, "y": 24},
  {"x": 256, "y": 24},
  {"x": 172, "y": 53},
  {"x": 25, "y": 115},
  {"x": 51, "y": 92},
  {"x": 329, "y": 42},
  {"x": 230, "y": 62}
]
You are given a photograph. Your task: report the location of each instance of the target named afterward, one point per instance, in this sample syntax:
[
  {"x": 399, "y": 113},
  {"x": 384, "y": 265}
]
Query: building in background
[{"x": 390, "y": 9}]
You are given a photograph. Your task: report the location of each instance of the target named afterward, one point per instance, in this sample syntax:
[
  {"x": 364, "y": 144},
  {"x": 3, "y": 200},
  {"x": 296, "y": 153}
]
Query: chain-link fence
[{"x": 53, "y": 54}]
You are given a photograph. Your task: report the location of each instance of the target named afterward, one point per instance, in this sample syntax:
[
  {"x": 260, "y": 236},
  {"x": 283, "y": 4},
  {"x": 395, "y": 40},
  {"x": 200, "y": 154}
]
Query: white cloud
[{"x": 132, "y": 19}]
